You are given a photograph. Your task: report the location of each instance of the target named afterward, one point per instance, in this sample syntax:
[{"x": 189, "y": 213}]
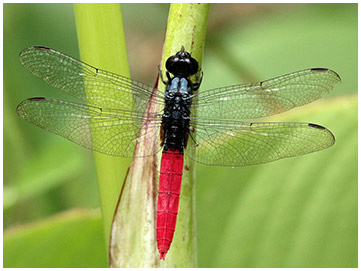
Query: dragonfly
[{"x": 114, "y": 113}]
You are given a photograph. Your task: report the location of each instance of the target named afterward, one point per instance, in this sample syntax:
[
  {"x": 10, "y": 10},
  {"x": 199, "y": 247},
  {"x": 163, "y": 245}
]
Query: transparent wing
[
  {"x": 103, "y": 88},
  {"x": 110, "y": 131},
  {"x": 237, "y": 143},
  {"x": 221, "y": 141},
  {"x": 265, "y": 98}
]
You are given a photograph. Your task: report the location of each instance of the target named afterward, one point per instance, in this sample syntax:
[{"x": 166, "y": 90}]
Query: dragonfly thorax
[{"x": 175, "y": 119}]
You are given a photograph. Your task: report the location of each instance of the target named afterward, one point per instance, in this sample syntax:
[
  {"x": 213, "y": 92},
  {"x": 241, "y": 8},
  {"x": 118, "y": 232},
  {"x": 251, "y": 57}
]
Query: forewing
[
  {"x": 237, "y": 143},
  {"x": 102, "y": 88},
  {"x": 109, "y": 131},
  {"x": 265, "y": 98}
]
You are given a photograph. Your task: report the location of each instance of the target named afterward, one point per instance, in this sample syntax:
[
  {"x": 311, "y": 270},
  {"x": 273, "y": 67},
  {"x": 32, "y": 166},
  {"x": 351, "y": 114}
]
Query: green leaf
[
  {"x": 71, "y": 239},
  {"x": 297, "y": 212},
  {"x": 41, "y": 174}
]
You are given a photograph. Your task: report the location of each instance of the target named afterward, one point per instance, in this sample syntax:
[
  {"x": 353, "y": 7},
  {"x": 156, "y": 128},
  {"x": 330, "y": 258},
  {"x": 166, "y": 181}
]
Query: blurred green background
[{"x": 297, "y": 212}]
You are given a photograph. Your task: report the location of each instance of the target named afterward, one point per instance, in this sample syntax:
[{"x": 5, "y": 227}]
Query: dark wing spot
[
  {"x": 36, "y": 99},
  {"x": 42, "y": 48},
  {"x": 319, "y": 69},
  {"x": 316, "y": 126}
]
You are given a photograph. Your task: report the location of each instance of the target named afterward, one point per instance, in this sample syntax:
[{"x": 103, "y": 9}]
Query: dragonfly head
[{"x": 182, "y": 64}]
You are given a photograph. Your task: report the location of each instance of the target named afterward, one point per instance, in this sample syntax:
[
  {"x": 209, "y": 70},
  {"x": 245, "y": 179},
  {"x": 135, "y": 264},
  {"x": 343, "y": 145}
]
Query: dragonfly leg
[
  {"x": 161, "y": 76},
  {"x": 193, "y": 139},
  {"x": 198, "y": 82},
  {"x": 168, "y": 76}
]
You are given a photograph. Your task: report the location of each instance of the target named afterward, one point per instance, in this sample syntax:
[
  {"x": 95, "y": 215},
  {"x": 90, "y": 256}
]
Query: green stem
[
  {"x": 187, "y": 25},
  {"x": 102, "y": 44}
]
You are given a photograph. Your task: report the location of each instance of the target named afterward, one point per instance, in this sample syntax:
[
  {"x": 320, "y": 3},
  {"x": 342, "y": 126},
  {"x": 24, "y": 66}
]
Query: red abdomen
[{"x": 171, "y": 169}]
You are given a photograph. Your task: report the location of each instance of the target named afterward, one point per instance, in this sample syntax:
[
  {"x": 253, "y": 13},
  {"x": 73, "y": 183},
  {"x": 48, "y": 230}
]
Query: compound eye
[
  {"x": 193, "y": 66},
  {"x": 182, "y": 64}
]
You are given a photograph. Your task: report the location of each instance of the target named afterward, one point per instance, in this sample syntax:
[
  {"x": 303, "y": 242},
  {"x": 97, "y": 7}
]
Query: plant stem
[
  {"x": 102, "y": 44},
  {"x": 187, "y": 25}
]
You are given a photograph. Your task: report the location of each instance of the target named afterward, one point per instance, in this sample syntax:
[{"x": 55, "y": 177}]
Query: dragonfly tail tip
[{"x": 162, "y": 255}]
